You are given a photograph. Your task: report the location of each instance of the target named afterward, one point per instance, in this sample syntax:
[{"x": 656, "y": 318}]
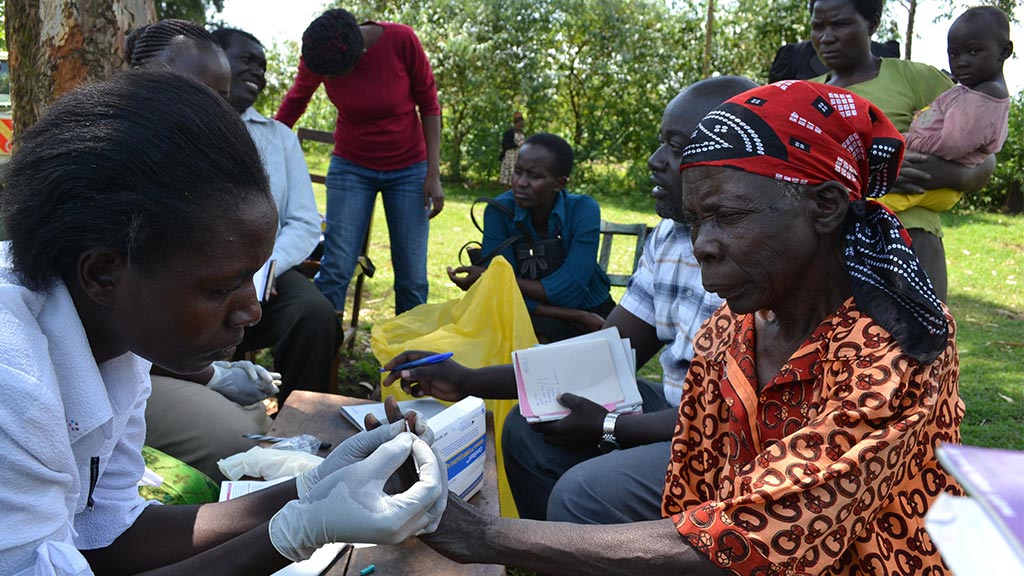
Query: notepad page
[{"x": 585, "y": 368}]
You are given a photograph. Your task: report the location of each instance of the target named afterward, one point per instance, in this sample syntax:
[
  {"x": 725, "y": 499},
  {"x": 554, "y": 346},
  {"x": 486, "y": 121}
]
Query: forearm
[
  {"x": 652, "y": 547},
  {"x": 557, "y": 312},
  {"x": 641, "y": 429},
  {"x": 493, "y": 382},
  {"x": 186, "y": 531},
  {"x": 250, "y": 553},
  {"x": 532, "y": 289},
  {"x": 432, "y": 139}
]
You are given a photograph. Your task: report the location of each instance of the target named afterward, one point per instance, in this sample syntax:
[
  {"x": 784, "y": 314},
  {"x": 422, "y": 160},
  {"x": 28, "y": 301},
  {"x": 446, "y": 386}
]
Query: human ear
[
  {"x": 873, "y": 26},
  {"x": 1005, "y": 51},
  {"x": 562, "y": 181},
  {"x": 96, "y": 272},
  {"x": 831, "y": 202}
]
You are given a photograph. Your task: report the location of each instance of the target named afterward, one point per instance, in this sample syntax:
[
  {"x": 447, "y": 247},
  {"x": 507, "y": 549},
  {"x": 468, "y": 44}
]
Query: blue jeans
[{"x": 351, "y": 192}]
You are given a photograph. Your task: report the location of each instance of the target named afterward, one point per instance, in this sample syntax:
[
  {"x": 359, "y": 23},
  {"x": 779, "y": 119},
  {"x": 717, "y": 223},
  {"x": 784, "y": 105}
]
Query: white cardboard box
[{"x": 460, "y": 437}]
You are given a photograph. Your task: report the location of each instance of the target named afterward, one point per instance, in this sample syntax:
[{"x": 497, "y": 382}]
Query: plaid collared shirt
[{"x": 666, "y": 292}]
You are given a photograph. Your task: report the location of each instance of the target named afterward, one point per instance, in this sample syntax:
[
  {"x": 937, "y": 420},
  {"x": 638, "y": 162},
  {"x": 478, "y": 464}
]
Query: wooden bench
[
  {"x": 608, "y": 232},
  {"x": 320, "y": 414}
]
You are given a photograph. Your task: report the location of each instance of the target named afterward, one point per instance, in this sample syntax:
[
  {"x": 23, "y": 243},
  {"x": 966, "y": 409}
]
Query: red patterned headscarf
[{"x": 810, "y": 133}]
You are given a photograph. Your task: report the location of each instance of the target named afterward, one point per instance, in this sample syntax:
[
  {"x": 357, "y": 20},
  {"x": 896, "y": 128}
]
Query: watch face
[{"x": 606, "y": 446}]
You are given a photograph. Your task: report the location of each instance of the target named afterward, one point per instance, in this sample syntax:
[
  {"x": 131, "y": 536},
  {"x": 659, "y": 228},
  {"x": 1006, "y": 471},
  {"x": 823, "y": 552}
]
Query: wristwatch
[{"x": 608, "y": 441}]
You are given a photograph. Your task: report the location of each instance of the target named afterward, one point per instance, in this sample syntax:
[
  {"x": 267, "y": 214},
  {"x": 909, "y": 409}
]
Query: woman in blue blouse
[{"x": 565, "y": 289}]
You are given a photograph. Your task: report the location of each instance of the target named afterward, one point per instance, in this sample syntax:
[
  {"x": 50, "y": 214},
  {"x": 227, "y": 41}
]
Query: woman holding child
[
  {"x": 550, "y": 237},
  {"x": 841, "y": 33},
  {"x": 138, "y": 211}
]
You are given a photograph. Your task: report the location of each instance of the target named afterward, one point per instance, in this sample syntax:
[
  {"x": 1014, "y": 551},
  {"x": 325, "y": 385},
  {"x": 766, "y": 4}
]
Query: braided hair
[
  {"x": 333, "y": 43},
  {"x": 148, "y": 42}
]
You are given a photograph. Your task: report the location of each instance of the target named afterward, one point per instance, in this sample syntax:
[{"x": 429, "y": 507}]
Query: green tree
[{"x": 194, "y": 10}]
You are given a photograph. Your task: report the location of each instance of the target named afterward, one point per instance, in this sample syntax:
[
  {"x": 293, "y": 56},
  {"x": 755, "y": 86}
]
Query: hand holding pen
[{"x": 423, "y": 373}]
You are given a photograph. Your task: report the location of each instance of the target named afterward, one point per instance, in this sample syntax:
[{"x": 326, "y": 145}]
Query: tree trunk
[
  {"x": 56, "y": 45},
  {"x": 911, "y": 14},
  {"x": 709, "y": 35},
  {"x": 1014, "y": 199}
]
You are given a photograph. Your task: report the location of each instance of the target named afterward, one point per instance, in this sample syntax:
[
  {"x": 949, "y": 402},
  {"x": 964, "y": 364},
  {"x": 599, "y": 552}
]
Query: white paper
[
  {"x": 968, "y": 540},
  {"x": 262, "y": 278},
  {"x": 230, "y": 490}
]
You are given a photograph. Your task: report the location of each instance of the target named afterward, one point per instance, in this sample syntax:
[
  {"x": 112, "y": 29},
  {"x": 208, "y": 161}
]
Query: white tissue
[{"x": 267, "y": 463}]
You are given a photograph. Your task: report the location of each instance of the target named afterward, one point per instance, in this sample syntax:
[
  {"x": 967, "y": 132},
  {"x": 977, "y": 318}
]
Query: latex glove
[
  {"x": 350, "y": 505},
  {"x": 243, "y": 382},
  {"x": 357, "y": 448}
]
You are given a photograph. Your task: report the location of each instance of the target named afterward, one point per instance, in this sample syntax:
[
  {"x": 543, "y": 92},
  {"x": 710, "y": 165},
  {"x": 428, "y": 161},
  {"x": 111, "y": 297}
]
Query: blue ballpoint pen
[{"x": 435, "y": 359}]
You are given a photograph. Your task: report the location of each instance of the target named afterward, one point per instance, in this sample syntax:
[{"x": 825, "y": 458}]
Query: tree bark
[
  {"x": 911, "y": 14},
  {"x": 57, "y": 45},
  {"x": 709, "y": 36}
]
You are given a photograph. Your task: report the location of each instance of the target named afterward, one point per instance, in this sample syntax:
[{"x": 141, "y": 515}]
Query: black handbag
[{"x": 535, "y": 259}]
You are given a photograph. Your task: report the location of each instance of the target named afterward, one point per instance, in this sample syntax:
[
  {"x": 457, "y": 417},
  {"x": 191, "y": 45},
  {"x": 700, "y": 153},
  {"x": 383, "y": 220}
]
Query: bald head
[{"x": 680, "y": 119}]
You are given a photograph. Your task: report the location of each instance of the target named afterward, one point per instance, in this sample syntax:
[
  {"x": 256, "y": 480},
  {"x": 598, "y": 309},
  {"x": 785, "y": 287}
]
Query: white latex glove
[
  {"x": 350, "y": 505},
  {"x": 243, "y": 382},
  {"x": 357, "y": 448}
]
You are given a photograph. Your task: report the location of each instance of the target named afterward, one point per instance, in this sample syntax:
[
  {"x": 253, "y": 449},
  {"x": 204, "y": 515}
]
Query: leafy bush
[{"x": 1009, "y": 164}]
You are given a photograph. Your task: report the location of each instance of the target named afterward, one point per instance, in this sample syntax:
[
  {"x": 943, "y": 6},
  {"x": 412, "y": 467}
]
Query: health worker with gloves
[{"x": 129, "y": 250}]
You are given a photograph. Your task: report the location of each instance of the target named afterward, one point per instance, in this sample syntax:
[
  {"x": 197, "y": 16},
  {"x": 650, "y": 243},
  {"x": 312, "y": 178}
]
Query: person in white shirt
[{"x": 137, "y": 212}]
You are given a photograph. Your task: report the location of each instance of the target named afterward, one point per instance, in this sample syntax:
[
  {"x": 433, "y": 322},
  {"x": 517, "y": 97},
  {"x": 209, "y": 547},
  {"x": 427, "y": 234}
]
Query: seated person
[
  {"x": 664, "y": 306},
  {"x": 298, "y": 321},
  {"x": 968, "y": 122},
  {"x": 805, "y": 439},
  {"x": 138, "y": 211},
  {"x": 199, "y": 424},
  {"x": 555, "y": 256}
]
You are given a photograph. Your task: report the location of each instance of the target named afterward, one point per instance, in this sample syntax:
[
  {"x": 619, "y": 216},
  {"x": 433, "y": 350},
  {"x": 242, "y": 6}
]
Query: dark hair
[
  {"x": 147, "y": 42},
  {"x": 558, "y": 147},
  {"x": 140, "y": 164},
  {"x": 224, "y": 36},
  {"x": 333, "y": 43},
  {"x": 996, "y": 17},
  {"x": 870, "y": 10}
]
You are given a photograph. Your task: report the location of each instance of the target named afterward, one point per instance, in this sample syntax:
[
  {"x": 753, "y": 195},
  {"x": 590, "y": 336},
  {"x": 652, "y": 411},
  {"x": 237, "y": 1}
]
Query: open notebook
[{"x": 600, "y": 366}]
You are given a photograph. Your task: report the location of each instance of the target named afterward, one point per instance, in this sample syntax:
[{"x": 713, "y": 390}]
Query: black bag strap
[{"x": 524, "y": 232}]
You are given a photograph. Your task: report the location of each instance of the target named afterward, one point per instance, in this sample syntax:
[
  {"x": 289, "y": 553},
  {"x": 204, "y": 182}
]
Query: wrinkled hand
[
  {"x": 581, "y": 429},
  {"x": 406, "y": 475},
  {"x": 465, "y": 276},
  {"x": 458, "y": 530},
  {"x": 433, "y": 195},
  {"x": 445, "y": 380},
  {"x": 358, "y": 447},
  {"x": 350, "y": 505},
  {"x": 243, "y": 382}
]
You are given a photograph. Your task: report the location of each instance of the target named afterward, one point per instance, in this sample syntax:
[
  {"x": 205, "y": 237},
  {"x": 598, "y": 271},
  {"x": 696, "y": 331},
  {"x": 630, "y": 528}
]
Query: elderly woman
[
  {"x": 138, "y": 212},
  {"x": 817, "y": 394}
]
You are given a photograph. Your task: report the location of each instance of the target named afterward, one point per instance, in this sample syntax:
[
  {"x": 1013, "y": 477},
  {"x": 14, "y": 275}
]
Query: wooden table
[{"x": 319, "y": 414}]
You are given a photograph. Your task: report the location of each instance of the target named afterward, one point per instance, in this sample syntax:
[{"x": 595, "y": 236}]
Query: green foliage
[{"x": 1009, "y": 165}]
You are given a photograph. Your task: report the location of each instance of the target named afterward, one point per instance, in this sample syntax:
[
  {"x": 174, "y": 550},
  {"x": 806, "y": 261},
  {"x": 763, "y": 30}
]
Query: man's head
[
  {"x": 677, "y": 124},
  {"x": 248, "y": 66}
]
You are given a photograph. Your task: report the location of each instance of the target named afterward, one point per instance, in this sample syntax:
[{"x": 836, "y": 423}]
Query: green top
[{"x": 902, "y": 88}]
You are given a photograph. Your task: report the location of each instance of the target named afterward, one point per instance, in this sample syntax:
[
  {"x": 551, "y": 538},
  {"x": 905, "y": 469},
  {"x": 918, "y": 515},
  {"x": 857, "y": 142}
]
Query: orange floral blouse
[{"x": 828, "y": 470}]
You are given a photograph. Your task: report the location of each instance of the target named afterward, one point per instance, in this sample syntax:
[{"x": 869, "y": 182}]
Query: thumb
[{"x": 571, "y": 401}]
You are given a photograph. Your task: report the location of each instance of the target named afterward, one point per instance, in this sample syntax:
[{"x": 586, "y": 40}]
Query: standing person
[
  {"x": 298, "y": 321},
  {"x": 138, "y": 211},
  {"x": 967, "y": 123},
  {"x": 511, "y": 140},
  {"x": 841, "y": 32},
  {"x": 387, "y": 138}
]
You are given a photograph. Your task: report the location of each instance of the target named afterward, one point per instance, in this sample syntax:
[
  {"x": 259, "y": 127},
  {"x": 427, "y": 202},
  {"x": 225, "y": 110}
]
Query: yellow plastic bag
[{"x": 482, "y": 329}]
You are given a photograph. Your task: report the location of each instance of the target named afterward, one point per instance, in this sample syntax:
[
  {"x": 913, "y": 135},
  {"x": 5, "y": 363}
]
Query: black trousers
[
  {"x": 301, "y": 327},
  {"x": 555, "y": 330}
]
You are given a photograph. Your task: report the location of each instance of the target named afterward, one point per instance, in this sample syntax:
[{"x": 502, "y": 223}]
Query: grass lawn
[{"x": 985, "y": 253}]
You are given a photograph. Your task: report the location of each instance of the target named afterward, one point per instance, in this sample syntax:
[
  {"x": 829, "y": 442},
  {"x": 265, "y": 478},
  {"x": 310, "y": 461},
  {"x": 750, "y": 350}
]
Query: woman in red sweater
[{"x": 387, "y": 138}]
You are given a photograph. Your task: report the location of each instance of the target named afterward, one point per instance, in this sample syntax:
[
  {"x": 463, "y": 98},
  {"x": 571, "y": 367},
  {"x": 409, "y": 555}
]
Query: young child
[{"x": 969, "y": 121}]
